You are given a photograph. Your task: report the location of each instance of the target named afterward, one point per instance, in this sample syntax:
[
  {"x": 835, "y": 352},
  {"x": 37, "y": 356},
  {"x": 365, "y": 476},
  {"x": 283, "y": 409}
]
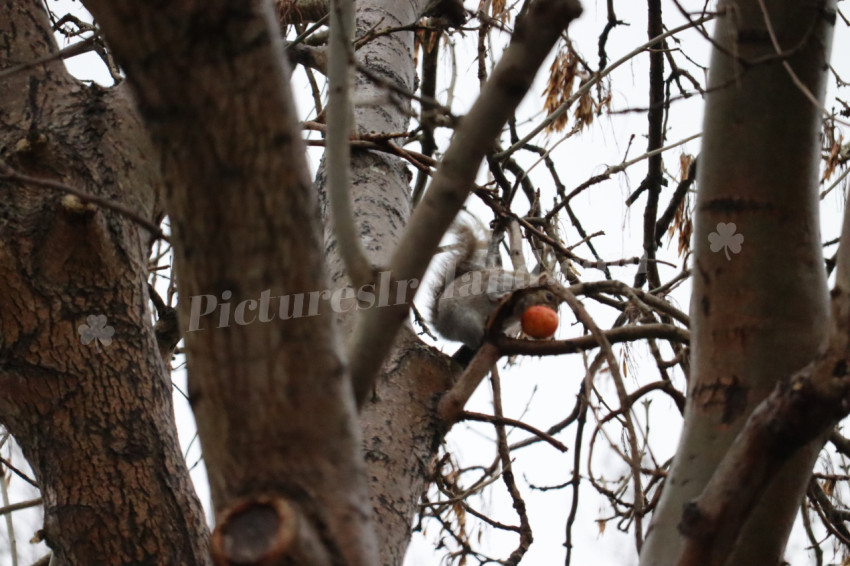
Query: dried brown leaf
[
  {"x": 562, "y": 75},
  {"x": 833, "y": 160},
  {"x": 499, "y": 11},
  {"x": 685, "y": 232},
  {"x": 585, "y": 111},
  {"x": 683, "y": 224},
  {"x": 829, "y": 487},
  {"x": 601, "y": 523},
  {"x": 685, "y": 161}
]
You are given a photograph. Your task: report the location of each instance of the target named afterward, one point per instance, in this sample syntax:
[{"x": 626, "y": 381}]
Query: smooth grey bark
[
  {"x": 761, "y": 314},
  {"x": 400, "y": 434}
]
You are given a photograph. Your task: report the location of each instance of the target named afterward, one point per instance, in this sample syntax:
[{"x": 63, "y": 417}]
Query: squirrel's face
[{"x": 550, "y": 300}]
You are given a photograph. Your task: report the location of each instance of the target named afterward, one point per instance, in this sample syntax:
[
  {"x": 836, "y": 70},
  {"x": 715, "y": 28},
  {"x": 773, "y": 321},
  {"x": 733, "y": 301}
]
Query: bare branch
[
  {"x": 513, "y": 346},
  {"x": 340, "y": 127}
]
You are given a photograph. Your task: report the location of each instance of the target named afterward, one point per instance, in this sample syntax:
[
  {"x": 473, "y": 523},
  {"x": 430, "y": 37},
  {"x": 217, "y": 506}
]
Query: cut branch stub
[{"x": 265, "y": 531}]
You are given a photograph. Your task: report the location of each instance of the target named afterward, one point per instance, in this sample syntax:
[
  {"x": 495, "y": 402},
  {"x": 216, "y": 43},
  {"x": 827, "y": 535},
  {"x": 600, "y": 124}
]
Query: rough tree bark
[
  {"x": 270, "y": 394},
  {"x": 761, "y": 314},
  {"x": 95, "y": 422}
]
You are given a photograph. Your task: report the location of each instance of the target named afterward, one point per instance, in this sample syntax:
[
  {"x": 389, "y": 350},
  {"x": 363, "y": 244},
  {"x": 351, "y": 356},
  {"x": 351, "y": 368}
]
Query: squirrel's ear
[{"x": 543, "y": 278}]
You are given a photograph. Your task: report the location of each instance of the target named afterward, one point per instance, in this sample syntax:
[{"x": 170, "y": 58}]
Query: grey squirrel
[{"x": 468, "y": 293}]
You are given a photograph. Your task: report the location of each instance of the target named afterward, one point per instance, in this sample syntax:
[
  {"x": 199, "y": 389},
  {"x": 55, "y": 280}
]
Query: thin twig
[
  {"x": 470, "y": 416},
  {"x": 73, "y": 50},
  {"x": 10, "y": 174},
  {"x": 11, "y": 508},
  {"x": 525, "y": 534}
]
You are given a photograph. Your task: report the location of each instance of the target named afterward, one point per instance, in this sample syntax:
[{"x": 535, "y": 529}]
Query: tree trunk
[
  {"x": 401, "y": 434},
  {"x": 758, "y": 311},
  {"x": 93, "y": 416}
]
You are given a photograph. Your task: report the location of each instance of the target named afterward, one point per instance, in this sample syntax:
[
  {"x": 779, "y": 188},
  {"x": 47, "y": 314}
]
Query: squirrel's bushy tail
[{"x": 466, "y": 255}]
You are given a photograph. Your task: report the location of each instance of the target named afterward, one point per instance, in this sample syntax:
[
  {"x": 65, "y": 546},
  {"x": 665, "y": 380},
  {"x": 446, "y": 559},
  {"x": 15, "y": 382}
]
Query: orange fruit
[{"x": 539, "y": 321}]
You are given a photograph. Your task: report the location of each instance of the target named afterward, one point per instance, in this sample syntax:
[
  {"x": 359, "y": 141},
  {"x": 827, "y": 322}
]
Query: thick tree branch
[
  {"x": 59, "y": 134},
  {"x": 211, "y": 81},
  {"x": 450, "y": 409},
  {"x": 797, "y": 412},
  {"x": 745, "y": 455}
]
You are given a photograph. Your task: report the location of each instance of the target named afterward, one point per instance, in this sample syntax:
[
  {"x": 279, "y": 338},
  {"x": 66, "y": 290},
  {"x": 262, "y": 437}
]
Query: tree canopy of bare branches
[{"x": 256, "y": 197}]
